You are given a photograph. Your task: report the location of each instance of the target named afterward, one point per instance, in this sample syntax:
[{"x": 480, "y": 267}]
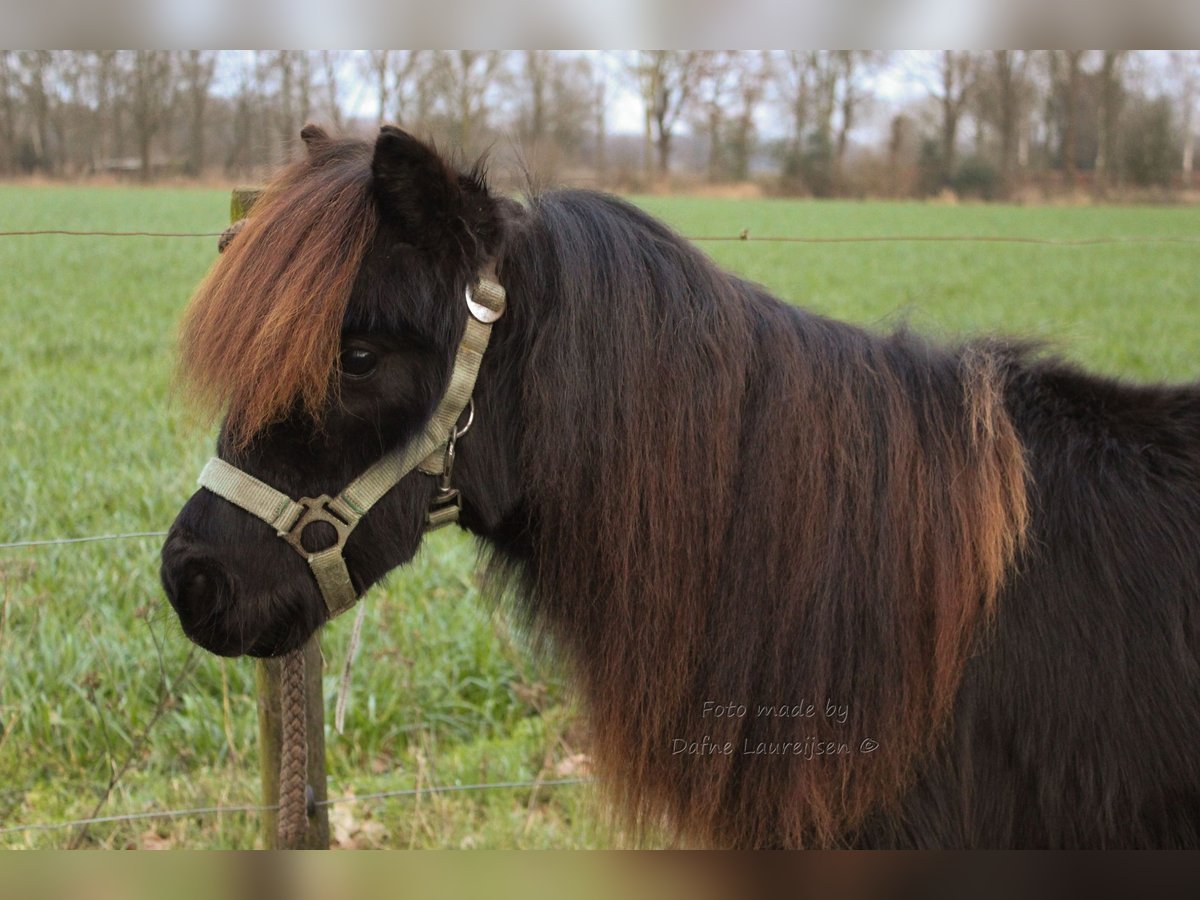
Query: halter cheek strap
[{"x": 431, "y": 452}]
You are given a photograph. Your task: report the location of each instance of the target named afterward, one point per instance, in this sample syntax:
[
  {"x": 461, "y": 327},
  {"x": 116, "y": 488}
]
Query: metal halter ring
[
  {"x": 459, "y": 432},
  {"x": 479, "y": 311},
  {"x": 317, "y": 509}
]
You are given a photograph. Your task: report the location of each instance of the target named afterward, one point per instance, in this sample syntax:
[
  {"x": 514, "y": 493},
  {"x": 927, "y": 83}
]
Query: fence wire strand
[
  {"x": 260, "y": 808},
  {"x": 35, "y": 232},
  {"x": 949, "y": 239},
  {"x": 50, "y": 542},
  {"x": 743, "y": 237}
]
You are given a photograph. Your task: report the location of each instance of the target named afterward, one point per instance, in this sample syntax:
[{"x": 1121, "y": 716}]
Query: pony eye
[{"x": 357, "y": 362}]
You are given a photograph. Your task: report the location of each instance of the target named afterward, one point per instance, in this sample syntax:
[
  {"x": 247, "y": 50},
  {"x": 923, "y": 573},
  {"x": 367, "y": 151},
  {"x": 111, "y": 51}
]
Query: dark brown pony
[{"x": 817, "y": 587}]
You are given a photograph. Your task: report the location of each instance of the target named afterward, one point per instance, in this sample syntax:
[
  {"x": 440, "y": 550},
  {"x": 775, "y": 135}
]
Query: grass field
[{"x": 444, "y": 692}]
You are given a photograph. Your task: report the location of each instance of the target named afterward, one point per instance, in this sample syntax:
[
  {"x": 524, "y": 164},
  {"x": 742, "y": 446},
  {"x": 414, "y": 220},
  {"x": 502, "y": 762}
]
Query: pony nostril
[
  {"x": 198, "y": 585},
  {"x": 203, "y": 588}
]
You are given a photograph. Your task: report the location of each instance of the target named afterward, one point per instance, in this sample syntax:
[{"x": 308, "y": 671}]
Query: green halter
[{"x": 431, "y": 452}]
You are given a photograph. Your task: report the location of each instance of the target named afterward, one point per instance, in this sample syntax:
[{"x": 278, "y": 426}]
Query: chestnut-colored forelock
[{"x": 262, "y": 330}]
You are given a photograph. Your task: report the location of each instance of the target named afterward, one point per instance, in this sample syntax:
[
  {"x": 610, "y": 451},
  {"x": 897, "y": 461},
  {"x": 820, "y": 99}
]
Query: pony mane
[
  {"x": 262, "y": 330},
  {"x": 737, "y": 501}
]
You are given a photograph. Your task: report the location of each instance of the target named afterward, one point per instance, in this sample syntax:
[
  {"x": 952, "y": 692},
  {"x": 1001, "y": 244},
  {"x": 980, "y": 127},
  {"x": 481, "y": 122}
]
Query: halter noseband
[{"x": 430, "y": 452}]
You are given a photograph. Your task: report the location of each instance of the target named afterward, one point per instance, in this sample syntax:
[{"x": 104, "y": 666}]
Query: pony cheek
[{"x": 391, "y": 533}]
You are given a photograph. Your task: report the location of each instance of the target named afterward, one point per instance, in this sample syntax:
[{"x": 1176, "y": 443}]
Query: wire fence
[
  {"x": 35, "y": 232},
  {"x": 234, "y": 809},
  {"x": 83, "y": 823},
  {"x": 744, "y": 236},
  {"x": 51, "y": 542},
  {"x": 952, "y": 239}
]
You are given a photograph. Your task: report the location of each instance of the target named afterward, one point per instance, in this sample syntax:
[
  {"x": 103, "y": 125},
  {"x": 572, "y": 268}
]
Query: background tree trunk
[{"x": 1071, "y": 118}]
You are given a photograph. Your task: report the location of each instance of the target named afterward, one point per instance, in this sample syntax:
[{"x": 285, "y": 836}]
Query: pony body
[{"x": 815, "y": 586}]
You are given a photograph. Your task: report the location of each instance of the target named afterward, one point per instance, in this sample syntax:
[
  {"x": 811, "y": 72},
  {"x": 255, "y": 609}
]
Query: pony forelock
[{"x": 261, "y": 332}]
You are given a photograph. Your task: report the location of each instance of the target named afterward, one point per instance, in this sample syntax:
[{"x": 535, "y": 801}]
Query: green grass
[
  {"x": 444, "y": 691},
  {"x": 1123, "y": 309}
]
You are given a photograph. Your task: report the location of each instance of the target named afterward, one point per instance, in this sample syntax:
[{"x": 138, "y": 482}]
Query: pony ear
[
  {"x": 314, "y": 137},
  {"x": 422, "y": 192}
]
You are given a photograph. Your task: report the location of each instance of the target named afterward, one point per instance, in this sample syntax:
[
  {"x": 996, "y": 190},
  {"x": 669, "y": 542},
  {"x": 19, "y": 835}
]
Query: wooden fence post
[
  {"x": 270, "y": 744},
  {"x": 270, "y": 731}
]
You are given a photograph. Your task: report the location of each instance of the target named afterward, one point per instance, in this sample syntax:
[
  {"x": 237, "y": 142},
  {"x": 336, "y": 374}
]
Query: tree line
[{"x": 823, "y": 123}]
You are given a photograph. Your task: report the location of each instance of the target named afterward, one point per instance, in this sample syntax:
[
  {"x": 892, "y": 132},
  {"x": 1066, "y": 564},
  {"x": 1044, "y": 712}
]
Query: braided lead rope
[{"x": 292, "y": 823}]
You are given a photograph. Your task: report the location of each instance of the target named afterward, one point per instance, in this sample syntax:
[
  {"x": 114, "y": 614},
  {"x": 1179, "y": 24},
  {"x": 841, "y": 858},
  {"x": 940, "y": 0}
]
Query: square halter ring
[{"x": 331, "y": 510}]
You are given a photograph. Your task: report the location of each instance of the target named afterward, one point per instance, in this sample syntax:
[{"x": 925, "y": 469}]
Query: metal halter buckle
[
  {"x": 443, "y": 509},
  {"x": 447, "y": 502},
  {"x": 316, "y": 509},
  {"x": 482, "y": 312}
]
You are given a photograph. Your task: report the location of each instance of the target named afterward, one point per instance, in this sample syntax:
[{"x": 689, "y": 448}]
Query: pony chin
[
  {"x": 249, "y": 594},
  {"x": 221, "y": 613}
]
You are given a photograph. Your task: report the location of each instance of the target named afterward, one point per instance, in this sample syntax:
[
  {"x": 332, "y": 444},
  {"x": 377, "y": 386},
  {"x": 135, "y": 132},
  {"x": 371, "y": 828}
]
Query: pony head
[{"x": 326, "y": 334}]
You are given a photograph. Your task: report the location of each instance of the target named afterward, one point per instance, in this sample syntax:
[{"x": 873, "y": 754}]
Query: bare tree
[
  {"x": 71, "y": 112},
  {"x": 411, "y": 89},
  {"x": 950, "y": 76},
  {"x": 899, "y": 140},
  {"x": 377, "y": 67},
  {"x": 108, "y": 136},
  {"x": 331, "y": 64},
  {"x": 293, "y": 100},
  {"x": 553, "y": 105},
  {"x": 465, "y": 79},
  {"x": 536, "y": 76},
  {"x": 8, "y": 110},
  {"x": 752, "y": 72},
  {"x": 1111, "y": 95},
  {"x": 823, "y": 92},
  {"x": 715, "y": 74},
  {"x": 1011, "y": 91},
  {"x": 197, "y": 68},
  {"x": 240, "y": 156},
  {"x": 825, "y": 69},
  {"x": 149, "y": 100},
  {"x": 850, "y": 69},
  {"x": 793, "y": 77},
  {"x": 304, "y": 86},
  {"x": 1071, "y": 115},
  {"x": 793, "y": 82},
  {"x": 35, "y": 75},
  {"x": 65, "y": 112},
  {"x": 600, "y": 75},
  {"x": 1186, "y": 68},
  {"x": 667, "y": 79},
  {"x": 571, "y": 101},
  {"x": 401, "y": 85}
]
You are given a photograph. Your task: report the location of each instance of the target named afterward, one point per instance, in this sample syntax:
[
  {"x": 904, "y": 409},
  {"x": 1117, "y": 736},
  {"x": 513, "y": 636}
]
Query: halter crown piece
[{"x": 430, "y": 452}]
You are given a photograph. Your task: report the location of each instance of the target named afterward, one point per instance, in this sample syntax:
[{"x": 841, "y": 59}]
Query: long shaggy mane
[{"x": 739, "y": 502}]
